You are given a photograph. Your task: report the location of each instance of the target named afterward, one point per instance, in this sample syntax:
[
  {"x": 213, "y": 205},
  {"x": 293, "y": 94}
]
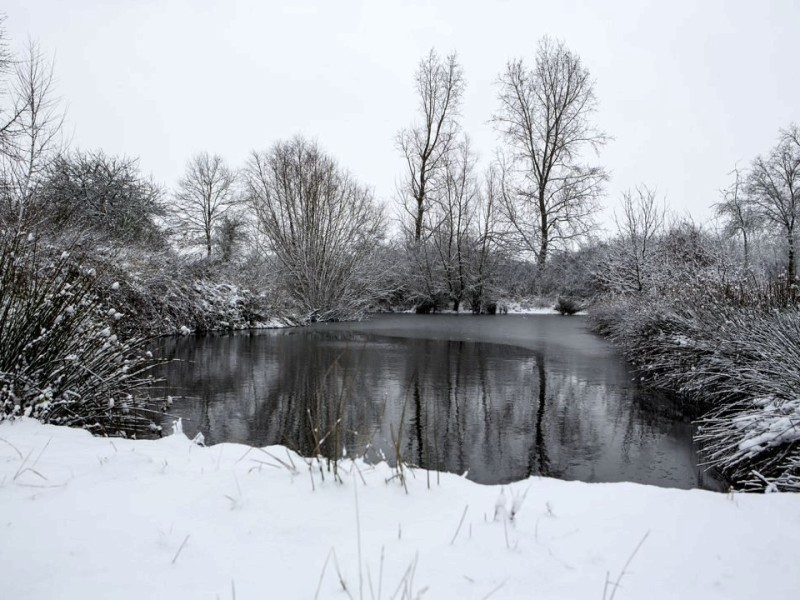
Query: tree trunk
[
  {"x": 545, "y": 241},
  {"x": 791, "y": 274},
  {"x": 746, "y": 251},
  {"x": 418, "y": 221}
]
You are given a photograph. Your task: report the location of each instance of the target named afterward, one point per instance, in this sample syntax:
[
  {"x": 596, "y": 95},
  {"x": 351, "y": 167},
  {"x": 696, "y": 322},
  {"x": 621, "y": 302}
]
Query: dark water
[{"x": 501, "y": 397}]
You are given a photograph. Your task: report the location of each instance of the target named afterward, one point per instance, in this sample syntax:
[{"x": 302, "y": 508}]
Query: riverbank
[
  {"x": 85, "y": 513},
  {"x": 738, "y": 368}
]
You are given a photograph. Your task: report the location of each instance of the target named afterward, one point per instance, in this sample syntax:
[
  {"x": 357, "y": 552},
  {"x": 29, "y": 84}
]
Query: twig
[
  {"x": 358, "y": 539},
  {"x": 460, "y": 523},
  {"x": 22, "y": 466},
  {"x": 495, "y": 590},
  {"x": 178, "y": 553},
  {"x": 625, "y": 567},
  {"x": 42, "y": 452},
  {"x": 322, "y": 573},
  {"x": 339, "y": 574},
  {"x": 380, "y": 575},
  {"x": 12, "y": 446}
]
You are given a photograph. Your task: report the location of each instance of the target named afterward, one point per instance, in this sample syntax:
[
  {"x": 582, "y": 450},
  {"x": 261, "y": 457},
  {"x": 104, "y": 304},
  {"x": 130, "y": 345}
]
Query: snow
[
  {"x": 767, "y": 426},
  {"x": 86, "y": 517}
]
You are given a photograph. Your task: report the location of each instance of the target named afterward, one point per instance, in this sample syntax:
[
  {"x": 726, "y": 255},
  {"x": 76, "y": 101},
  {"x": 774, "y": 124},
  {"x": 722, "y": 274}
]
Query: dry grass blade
[
  {"x": 460, "y": 523},
  {"x": 615, "y": 586},
  {"x": 12, "y": 446},
  {"x": 180, "y": 549}
]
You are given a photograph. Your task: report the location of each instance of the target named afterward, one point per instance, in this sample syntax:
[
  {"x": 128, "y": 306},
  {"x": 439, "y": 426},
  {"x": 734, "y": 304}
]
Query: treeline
[{"x": 299, "y": 235}]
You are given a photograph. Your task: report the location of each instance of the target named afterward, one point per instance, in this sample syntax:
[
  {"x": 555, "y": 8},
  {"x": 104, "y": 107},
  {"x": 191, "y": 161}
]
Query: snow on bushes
[
  {"x": 162, "y": 293},
  {"x": 740, "y": 366},
  {"x": 60, "y": 360}
]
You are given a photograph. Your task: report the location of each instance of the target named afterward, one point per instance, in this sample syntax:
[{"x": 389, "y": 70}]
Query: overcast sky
[{"x": 686, "y": 89}]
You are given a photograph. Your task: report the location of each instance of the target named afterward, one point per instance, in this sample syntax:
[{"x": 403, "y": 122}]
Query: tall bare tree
[
  {"x": 321, "y": 225},
  {"x": 31, "y": 139},
  {"x": 485, "y": 255},
  {"x": 205, "y": 195},
  {"x": 8, "y": 114},
  {"x": 456, "y": 205},
  {"x": 549, "y": 195},
  {"x": 773, "y": 188},
  {"x": 439, "y": 86},
  {"x": 739, "y": 214}
]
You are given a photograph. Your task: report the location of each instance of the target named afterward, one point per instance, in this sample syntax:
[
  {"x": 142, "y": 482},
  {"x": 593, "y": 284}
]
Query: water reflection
[{"x": 553, "y": 400}]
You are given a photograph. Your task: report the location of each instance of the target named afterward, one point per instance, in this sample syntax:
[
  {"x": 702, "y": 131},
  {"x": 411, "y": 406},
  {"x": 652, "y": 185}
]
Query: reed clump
[{"x": 61, "y": 361}]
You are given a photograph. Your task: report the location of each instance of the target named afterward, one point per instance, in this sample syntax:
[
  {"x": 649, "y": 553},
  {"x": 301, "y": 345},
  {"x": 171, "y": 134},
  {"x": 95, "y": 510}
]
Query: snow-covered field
[{"x": 86, "y": 518}]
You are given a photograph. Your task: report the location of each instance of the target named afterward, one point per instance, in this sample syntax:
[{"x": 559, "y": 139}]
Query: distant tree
[
  {"x": 486, "y": 255},
  {"x": 455, "y": 261},
  {"x": 549, "y": 196},
  {"x": 629, "y": 264},
  {"x": 322, "y": 226},
  {"x": 29, "y": 137},
  {"x": 424, "y": 145},
  {"x": 230, "y": 233},
  {"x": 8, "y": 114},
  {"x": 455, "y": 208},
  {"x": 105, "y": 195},
  {"x": 739, "y": 214},
  {"x": 204, "y": 198},
  {"x": 773, "y": 191}
]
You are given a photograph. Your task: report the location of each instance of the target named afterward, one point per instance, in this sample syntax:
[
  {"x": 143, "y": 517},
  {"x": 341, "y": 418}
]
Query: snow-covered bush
[
  {"x": 160, "y": 292},
  {"x": 60, "y": 360},
  {"x": 737, "y": 366}
]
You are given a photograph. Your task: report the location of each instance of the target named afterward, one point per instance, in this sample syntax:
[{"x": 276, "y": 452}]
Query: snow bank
[{"x": 86, "y": 517}]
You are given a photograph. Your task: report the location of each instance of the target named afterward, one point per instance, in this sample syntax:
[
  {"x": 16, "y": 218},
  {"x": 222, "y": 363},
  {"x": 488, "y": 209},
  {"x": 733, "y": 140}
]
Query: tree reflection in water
[{"x": 500, "y": 412}]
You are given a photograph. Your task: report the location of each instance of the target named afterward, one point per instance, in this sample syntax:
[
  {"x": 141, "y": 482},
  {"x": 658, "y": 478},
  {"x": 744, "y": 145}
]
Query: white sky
[{"x": 686, "y": 89}]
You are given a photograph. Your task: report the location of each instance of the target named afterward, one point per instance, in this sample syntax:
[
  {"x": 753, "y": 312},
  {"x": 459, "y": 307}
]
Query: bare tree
[
  {"x": 10, "y": 109},
  {"x": 485, "y": 251},
  {"x": 322, "y": 226},
  {"x": 630, "y": 263},
  {"x": 10, "y": 114},
  {"x": 455, "y": 208},
  {"x": 439, "y": 86},
  {"x": 31, "y": 139},
  {"x": 739, "y": 214},
  {"x": 549, "y": 196},
  {"x": 205, "y": 196},
  {"x": 773, "y": 189}
]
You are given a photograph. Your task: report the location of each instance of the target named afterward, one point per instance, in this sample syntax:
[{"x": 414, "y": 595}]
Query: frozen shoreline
[{"x": 170, "y": 519}]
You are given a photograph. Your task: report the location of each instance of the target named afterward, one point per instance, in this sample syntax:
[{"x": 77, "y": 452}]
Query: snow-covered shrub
[
  {"x": 737, "y": 366},
  {"x": 161, "y": 292},
  {"x": 60, "y": 360}
]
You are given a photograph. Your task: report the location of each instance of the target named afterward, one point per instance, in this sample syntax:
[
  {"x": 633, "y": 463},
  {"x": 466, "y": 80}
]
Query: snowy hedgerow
[{"x": 59, "y": 360}]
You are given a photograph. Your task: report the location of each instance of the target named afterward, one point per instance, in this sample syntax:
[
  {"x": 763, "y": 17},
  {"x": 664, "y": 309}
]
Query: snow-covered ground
[{"x": 86, "y": 518}]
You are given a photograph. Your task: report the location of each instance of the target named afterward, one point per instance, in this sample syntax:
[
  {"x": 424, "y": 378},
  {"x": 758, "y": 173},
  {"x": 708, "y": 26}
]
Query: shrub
[
  {"x": 60, "y": 361},
  {"x": 567, "y": 306},
  {"x": 739, "y": 366}
]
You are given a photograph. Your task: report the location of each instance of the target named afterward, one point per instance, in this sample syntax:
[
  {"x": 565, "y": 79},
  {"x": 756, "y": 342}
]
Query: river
[{"x": 499, "y": 398}]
